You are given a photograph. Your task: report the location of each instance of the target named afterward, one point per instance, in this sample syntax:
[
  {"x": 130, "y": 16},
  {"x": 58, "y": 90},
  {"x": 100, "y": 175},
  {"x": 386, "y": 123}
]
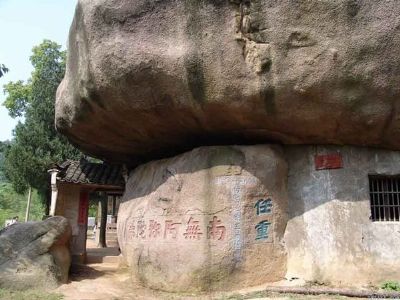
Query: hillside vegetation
[{"x": 13, "y": 204}]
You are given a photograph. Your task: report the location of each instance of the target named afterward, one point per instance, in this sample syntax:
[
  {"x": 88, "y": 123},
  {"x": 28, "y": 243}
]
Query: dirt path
[
  {"x": 108, "y": 282},
  {"x": 102, "y": 281}
]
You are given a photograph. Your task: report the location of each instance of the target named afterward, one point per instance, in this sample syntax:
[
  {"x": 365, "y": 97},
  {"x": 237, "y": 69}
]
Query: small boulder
[{"x": 35, "y": 254}]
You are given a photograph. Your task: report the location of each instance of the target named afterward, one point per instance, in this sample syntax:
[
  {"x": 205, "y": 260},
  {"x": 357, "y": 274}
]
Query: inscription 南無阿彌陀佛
[{"x": 192, "y": 229}]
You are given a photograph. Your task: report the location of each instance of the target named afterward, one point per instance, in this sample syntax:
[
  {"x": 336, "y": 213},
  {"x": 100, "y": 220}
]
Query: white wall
[{"x": 330, "y": 237}]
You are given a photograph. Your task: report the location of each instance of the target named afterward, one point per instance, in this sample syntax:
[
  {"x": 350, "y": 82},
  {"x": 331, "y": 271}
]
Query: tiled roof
[{"x": 84, "y": 172}]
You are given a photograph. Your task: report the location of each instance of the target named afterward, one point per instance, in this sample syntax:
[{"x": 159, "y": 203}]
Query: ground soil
[
  {"x": 107, "y": 281},
  {"x": 110, "y": 281}
]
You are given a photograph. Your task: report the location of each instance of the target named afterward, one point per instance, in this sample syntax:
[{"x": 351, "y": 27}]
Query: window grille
[{"x": 384, "y": 192}]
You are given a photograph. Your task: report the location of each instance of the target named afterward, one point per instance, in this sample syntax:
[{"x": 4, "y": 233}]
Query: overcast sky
[{"x": 24, "y": 24}]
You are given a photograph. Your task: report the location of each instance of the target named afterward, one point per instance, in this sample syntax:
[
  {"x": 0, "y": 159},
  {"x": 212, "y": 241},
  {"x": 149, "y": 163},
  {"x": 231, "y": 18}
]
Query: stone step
[
  {"x": 113, "y": 241},
  {"x": 114, "y": 237},
  {"x": 94, "y": 259}
]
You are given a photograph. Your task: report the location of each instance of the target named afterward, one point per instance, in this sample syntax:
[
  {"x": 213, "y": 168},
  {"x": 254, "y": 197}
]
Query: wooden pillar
[
  {"x": 114, "y": 200},
  {"x": 103, "y": 222}
]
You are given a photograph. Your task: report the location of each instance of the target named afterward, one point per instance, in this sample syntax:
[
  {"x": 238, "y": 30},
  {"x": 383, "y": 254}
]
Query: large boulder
[
  {"x": 35, "y": 254},
  {"x": 212, "y": 218},
  {"x": 149, "y": 78}
]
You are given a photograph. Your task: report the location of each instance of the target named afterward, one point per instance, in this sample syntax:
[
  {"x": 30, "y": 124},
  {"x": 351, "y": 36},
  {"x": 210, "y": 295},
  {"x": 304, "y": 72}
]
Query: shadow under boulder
[{"x": 35, "y": 254}]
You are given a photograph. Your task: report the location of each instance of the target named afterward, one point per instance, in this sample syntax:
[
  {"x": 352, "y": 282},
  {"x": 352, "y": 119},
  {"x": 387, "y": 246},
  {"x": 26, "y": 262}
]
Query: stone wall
[
  {"x": 212, "y": 218},
  {"x": 330, "y": 237}
]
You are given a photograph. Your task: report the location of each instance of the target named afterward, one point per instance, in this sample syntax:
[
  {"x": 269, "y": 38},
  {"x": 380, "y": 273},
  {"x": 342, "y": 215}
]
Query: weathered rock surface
[
  {"x": 151, "y": 78},
  {"x": 212, "y": 218},
  {"x": 35, "y": 254}
]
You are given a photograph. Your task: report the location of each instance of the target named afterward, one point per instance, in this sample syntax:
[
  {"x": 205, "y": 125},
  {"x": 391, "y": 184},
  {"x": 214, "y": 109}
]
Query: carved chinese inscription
[
  {"x": 131, "y": 230},
  {"x": 262, "y": 229},
  {"x": 154, "y": 229},
  {"x": 215, "y": 230},
  {"x": 171, "y": 229},
  {"x": 263, "y": 206},
  {"x": 263, "y": 209},
  {"x": 193, "y": 229},
  {"x": 141, "y": 228}
]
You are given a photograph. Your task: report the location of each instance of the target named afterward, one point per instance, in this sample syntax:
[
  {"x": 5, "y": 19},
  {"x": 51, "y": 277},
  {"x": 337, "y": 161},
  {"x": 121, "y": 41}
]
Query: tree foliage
[
  {"x": 18, "y": 97},
  {"x": 36, "y": 144},
  {"x": 13, "y": 204},
  {"x": 3, "y": 148},
  {"x": 3, "y": 70}
]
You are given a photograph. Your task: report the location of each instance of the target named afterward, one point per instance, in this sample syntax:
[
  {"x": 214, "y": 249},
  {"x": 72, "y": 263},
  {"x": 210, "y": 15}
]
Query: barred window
[{"x": 384, "y": 192}]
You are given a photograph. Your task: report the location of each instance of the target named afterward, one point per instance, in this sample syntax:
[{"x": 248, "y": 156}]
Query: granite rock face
[
  {"x": 148, "y": 79},
  {"x": 35, "y": 254},
  {"x": 212, "y": 218}
]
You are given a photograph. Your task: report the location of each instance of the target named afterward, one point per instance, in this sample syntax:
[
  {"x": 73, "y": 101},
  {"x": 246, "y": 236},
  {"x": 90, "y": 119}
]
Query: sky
[{"x": 23, "y": 25}]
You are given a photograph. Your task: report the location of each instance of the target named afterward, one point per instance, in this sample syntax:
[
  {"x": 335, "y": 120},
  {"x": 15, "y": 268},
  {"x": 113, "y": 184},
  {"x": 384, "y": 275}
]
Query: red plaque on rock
[{"x": 328, "y": 161}]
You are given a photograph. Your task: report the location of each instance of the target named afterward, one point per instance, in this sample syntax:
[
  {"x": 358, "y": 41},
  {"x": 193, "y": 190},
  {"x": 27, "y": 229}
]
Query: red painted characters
[
  {"x": 193, "y": 229},
  {"x": 216, "y": 230}
]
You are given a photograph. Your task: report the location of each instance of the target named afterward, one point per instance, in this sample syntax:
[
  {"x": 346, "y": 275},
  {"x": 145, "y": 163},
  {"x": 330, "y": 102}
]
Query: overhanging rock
[{"x": 149, "y": 79}]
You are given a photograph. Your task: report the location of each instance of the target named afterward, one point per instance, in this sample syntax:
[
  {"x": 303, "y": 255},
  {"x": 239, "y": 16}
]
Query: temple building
[{"x": 73, "y": 184}]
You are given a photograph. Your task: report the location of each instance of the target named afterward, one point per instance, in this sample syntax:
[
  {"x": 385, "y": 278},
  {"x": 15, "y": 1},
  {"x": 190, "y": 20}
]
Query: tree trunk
[{"x": 103, "y": 222}]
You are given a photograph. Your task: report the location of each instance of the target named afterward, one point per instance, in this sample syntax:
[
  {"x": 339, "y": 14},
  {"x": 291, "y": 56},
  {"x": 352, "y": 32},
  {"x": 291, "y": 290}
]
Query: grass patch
[
  {"x": 28, "y": 295},
  {"x": 253, "y": 295},
  {"x": 391, "y": 286},
  {"x": 288, "y": 296}
]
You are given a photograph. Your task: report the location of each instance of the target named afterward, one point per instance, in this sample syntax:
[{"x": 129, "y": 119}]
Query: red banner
[
  {"x": 328, "y": 161},
  {"x": 83, "y": 208}
]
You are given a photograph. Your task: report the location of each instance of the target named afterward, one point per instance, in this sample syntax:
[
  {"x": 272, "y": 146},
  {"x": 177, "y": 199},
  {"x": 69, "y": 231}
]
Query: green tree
[
  {"x": 13, "y": 204},
  {"x": 36, "y": 144},
  {"x": 3, "y": 70},
  {"x": 18, "y": 97},
  {"x": 3, "y": 148}
]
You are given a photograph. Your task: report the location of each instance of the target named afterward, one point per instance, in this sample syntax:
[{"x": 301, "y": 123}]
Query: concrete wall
[{"x": 330, "y": 237}]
